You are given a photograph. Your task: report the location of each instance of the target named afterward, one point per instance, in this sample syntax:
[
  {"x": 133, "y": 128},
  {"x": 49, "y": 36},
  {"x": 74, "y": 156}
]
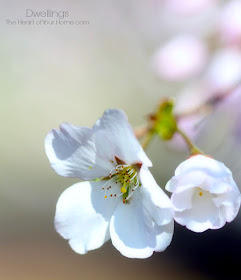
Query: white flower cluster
[{"x": 120, "y": 200}]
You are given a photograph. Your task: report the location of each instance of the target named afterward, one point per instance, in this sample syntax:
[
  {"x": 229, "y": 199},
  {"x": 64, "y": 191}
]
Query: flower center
[
  {"x": 200, "y": 193},
  {"x": 127, "y": 177}
]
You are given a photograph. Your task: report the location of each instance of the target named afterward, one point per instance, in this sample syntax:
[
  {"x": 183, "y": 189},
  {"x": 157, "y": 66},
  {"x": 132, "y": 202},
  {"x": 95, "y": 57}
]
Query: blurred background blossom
[
  {"x": 51, "y": 74},
  {"x": 181, "y": 58}
]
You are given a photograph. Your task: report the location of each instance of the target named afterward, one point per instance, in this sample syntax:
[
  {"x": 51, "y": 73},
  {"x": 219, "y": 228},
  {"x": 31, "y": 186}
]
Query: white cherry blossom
[
  {"x": 204, "y": 194},
  {"x": 124, "y": 204}
]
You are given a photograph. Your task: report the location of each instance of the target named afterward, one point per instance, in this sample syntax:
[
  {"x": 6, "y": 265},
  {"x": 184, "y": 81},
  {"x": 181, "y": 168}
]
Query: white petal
[
  {"x": 164, "y": 237},
  {"x": 154, "y": 198},
  {"x": 128, "y": 231},
  {"x": 170, "y": 186},
  {"x": 186, "y": 180},
  {"x": 182, "y": 199},
  {"x": 83, "y": 215},
  {"x": 202, "y": 216},
  {"x": 126, "y": 147},
  {"x": 223, "y": 186},
  {"x": 90, "y": 153},
  {"x": 229, "y": 204},
  {"x": 205, "y": 164},
  {"x": 135, "y": 233},
  {"x": 231, "y": 210},
  {"x": 73, "y": 152}
]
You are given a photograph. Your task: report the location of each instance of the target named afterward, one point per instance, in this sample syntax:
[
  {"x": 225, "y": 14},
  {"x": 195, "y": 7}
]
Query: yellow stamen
[{"x": 123, "y": 190}]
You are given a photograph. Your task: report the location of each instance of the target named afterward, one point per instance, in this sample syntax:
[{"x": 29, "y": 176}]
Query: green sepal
[{"x": 164, "y": 122}]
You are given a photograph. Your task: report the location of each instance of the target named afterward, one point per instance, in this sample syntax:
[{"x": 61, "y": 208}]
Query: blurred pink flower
[
  {"x": 230, "y": 22},
  {"x": 196, "y": 104},
  {"x": 224, "y": 71},
  {"x": 181, "y": 58}
]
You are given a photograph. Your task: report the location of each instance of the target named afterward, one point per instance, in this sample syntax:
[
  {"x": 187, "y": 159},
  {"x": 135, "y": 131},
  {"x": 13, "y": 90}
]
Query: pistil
[{"x": 127, "y": 177}]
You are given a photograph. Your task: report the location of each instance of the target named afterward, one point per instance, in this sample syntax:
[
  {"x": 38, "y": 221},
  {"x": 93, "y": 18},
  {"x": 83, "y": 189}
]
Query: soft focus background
[{"x": 129, "y": 55}]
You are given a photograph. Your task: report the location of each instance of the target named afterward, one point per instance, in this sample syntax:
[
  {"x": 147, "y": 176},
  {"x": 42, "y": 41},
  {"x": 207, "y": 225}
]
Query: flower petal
[
  {"x": 182, "y": 199},
  {"x": 126, "y": 147},
  {"x": 90, "y": 153},
  {"x": 75, "y": 152},
  {"x": 186, "y": 180},
  {"x": 83, "y": 215},
  {"x": 154, "y": 199},
  {"x": 231, "y": 210},
  {"x": 206, "y": 164},
  {"x": 135, "y": 233},
  {"x": 164, "y": 238},
  {"x": 202, "y": 216},
  {"x": 229, "y": 202},
  {"x": 222, "y": 186}
]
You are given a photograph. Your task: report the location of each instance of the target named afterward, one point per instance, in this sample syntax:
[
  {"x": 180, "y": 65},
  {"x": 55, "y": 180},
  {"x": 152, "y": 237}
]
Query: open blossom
[
  {"x": 204, "y": 194},
  {"x": 125, "y": 204}
]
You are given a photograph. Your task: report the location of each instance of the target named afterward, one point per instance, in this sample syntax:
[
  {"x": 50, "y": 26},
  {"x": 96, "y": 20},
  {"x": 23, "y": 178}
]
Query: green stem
[
  {"x": 192, "y": 148},
  {"x": 147, "y": 140}
]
